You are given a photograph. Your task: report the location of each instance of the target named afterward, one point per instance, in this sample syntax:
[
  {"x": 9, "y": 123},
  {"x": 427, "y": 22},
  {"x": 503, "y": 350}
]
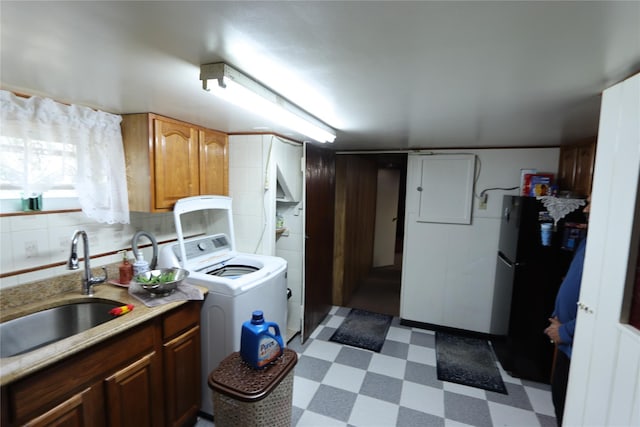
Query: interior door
[
  {"x": 384, "y": 247},
  {"x": 319, "y": 222},
  {"x": 604, "y": 380}
]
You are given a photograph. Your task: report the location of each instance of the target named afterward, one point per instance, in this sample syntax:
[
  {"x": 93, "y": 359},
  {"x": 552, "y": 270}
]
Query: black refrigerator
[{"x": 533, "y": 273}]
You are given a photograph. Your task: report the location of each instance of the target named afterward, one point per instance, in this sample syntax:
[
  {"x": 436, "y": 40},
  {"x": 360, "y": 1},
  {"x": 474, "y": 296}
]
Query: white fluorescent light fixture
[{"x": 241, "y": 90}]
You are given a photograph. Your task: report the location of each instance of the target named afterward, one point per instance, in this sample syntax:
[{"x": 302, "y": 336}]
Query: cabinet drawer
[{"x": 180, "y": 319}]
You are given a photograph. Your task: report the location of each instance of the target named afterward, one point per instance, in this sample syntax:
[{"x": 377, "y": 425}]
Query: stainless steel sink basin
[{"x": 38, "y": 329}]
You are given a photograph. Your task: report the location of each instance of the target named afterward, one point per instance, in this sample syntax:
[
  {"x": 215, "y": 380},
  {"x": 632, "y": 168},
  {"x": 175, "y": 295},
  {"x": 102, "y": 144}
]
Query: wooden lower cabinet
[
  {"x": 81, "y": 409},
  {"x": 146, "y": 376},
  {"x": 182, "y": 378},
  {"x": 134, "y": 394},
  {"x": 181, "y": 354}
]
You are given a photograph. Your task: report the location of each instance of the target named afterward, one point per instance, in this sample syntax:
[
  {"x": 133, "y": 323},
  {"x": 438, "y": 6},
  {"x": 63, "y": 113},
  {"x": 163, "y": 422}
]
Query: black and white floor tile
[{"x": 338, "y": 385}]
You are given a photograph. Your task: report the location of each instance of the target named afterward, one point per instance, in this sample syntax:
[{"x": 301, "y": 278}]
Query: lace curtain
[{"x": 85, "y": 144}]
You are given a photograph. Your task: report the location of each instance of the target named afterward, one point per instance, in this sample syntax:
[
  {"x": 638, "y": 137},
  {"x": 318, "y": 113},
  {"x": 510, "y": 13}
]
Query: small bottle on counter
[
  {"x": 140, "y": 266},
  {"x": 126, "y": 270}
]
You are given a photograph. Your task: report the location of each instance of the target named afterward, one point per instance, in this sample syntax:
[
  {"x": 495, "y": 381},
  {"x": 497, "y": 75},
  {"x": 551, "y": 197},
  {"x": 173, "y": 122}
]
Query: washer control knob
[{"x": 202, "y": 246}]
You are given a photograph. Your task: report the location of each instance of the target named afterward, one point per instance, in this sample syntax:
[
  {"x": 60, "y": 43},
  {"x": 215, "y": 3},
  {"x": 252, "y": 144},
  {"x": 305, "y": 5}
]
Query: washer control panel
[{"x": 216, "y": 244}]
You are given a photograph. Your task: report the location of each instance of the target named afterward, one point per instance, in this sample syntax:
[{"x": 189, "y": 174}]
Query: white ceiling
[{"x": 387, "y": 75}]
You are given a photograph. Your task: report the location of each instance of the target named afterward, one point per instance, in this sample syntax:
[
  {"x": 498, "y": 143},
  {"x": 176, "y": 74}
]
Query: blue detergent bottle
[{"x": 260, "y": 341}]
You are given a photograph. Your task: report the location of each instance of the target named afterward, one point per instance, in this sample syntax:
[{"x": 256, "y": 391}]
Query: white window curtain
[{"x": 48, "y": 144}]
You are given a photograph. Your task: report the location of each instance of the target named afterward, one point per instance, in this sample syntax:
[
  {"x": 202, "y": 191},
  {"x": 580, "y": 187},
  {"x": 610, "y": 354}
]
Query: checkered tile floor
[{"x": 338, "y": 385}]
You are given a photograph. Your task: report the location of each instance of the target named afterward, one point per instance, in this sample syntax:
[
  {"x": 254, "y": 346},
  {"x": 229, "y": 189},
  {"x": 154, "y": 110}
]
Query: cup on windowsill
[{"x": 30, "y": 204}]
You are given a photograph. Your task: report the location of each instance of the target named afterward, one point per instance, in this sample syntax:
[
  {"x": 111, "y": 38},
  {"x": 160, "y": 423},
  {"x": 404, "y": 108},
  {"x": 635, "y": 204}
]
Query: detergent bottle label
[{"x": 268, "y": 350}]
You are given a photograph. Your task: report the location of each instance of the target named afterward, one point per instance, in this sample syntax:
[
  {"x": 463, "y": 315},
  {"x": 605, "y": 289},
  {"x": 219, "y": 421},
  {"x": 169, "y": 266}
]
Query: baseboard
[{"x": 450, "y": 330}]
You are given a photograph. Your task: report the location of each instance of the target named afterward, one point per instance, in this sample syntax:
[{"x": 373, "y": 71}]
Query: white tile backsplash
[
  {"x": 5, "y": 224},
  {"x": 75, "y": 220},
  {"x": 248, "y": 203},
  {"x": 30, "y": 247},
  {"x": 6, "y": 252},
  {"x": 248, "y": 230},
  {"x": 32, "y": 241},
  {"x": 27, "y": 222},
  {"x": 293, "y": 257}
]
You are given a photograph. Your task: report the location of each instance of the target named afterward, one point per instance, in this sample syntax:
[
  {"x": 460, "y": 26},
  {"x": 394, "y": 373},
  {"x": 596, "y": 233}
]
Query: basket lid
[{"x": 235, "y": 378}]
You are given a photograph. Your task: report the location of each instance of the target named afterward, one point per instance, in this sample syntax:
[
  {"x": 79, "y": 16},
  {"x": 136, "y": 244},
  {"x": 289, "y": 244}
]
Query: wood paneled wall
[
  {"x": 319, "y": 225},
  {"x": 355, "y": 214}
]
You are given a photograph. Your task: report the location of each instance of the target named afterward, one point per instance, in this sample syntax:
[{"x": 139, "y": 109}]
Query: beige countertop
[{"x": 27, "y": 299}]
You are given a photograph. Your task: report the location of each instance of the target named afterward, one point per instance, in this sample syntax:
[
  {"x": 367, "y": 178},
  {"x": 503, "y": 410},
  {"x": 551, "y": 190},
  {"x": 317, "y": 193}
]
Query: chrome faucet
[{"x": 88, "y": 280}]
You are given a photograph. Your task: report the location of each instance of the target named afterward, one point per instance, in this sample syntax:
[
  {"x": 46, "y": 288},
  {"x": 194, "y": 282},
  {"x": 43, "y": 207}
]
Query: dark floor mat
[
  {"x": 468, "y": 361},
  {"x": 363, "y": 329}
]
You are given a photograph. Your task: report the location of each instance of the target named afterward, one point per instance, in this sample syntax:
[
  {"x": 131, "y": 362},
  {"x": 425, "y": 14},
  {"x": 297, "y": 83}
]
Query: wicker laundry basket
[{"x": 243, "y": 396}]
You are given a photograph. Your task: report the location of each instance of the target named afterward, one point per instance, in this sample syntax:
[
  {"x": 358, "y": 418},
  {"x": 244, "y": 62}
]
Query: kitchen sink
[{"x": 38, "y": 329}]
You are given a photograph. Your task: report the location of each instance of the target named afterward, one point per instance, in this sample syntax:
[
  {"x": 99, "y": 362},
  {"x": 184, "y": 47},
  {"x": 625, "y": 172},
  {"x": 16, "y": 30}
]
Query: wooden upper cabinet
[
  {"x": 585, "y": 161},
  {"x": 167, "y": 160},
  {"x": 214, "y": 163},
  {"x": 575, "y": 171},
  {"x": 567, "y": 167},
  {"x": 176, "y": 162}
]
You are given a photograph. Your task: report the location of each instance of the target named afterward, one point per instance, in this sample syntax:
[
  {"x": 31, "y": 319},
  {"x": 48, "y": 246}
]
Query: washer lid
[{"x": 201, "y": 203}]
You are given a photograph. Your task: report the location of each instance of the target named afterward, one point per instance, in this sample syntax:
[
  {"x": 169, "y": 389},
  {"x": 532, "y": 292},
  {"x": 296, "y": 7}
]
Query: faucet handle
[{"x": 98, "y": 280}]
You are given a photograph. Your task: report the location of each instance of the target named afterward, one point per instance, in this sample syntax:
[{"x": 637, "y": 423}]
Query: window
[
  {"x": 52, "y": 162},
  {"x": 58, "y": 149}
]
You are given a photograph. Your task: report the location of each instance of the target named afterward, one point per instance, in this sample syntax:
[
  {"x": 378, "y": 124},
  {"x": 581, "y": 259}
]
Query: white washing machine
[{"x": 238, "y": 284}]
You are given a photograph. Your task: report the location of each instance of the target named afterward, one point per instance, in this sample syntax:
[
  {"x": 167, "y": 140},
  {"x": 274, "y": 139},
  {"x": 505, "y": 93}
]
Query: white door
[
  {"x": 384, "y": 246},
  {"x": 604, "y": 382}
]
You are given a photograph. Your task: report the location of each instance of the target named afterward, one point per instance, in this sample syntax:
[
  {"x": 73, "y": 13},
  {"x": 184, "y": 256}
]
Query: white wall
[
  {"x": 290, "y": 245},
  {"x": 448, "y": 270},
  {"x": 249, "y": 187},
  {"x": 253, "y": 162}
]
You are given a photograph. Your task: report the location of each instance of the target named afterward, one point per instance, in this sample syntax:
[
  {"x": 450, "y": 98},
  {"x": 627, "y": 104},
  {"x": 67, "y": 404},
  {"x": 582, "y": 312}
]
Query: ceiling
[{"x": 386, "y": 75}]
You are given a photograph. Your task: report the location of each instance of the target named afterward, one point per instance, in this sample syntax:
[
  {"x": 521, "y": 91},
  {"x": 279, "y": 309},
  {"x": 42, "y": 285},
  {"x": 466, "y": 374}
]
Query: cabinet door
[
  {"x": 575, "y": 170},
  {"x": 585, "y": 159},
  {"x": 567, "y": 167},
  {"x": 82, "y": 409},
  {"x": 175, "y": 162},
  {"x": 182, "y": 378},
  {"x": 134, "y": 394},
  {"x": 214, "y": 163}
]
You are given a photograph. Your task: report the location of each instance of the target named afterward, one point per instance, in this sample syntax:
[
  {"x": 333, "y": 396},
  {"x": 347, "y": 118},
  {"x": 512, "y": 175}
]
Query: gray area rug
[
  {"x": 468, "y": 361},
  {"x": 363, "y": 329}
]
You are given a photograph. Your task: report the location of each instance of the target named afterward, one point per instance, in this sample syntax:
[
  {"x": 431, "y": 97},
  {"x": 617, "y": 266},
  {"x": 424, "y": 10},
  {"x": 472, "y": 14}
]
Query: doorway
[{"x": 378, "y": 289}]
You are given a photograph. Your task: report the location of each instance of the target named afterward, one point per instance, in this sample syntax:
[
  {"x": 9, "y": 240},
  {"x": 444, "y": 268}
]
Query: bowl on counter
[{"x": 162, "y": 281}]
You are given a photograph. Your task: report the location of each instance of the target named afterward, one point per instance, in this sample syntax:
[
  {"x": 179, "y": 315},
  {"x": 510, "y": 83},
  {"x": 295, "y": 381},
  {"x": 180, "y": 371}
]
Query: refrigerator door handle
[{"x": 505, "y": 260}]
